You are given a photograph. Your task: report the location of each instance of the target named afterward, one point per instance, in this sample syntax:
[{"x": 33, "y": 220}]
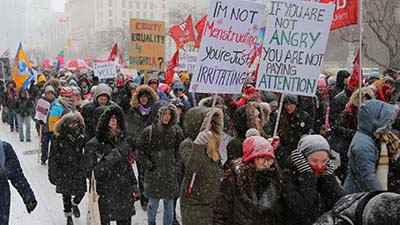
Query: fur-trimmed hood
[
  {"x": 144, "y": 89},
  {"x": 174, "y": 115},
  {"x": 58, "y": 128},
  {"x": 366, "y": 94},
  {"x": 265, "y": 107},
  {"x": 207, "y": 102},
  {"x": 196, "y": 119},
  {"x": 245, "y": 118},
  {"x": 102, "y": 125}
]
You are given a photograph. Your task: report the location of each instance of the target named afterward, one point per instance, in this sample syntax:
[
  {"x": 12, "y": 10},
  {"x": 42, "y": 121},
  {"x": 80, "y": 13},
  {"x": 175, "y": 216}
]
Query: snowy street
[{"x": 49, "y": 210}]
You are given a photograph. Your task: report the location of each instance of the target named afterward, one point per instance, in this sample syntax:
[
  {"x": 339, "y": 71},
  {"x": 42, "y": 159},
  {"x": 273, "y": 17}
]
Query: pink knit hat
[{"x": 255, "y": 147}]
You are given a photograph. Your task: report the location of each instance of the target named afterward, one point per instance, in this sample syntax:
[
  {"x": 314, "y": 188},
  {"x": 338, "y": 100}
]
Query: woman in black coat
[
  {"x": 311, "y": 189},
  {"x": 65, "y": 160},
  {"x": 251, "y": 192},
  {"x": 108, "y": 155}
]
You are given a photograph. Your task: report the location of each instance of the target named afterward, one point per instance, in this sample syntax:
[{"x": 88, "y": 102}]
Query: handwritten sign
[
  {"x": 294, "y": 46},
  {"x": 147, "y": 44},
  {"x": 104, "y": 70},
  {"x": 42, "y": 110},
  {"x": 187, "y": 61},
  {"x": 229, "y": 39}
]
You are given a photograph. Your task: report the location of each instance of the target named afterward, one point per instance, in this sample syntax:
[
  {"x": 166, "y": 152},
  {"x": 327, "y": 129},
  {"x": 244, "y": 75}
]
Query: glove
[
  {"x": 300, "y": 162},
  {"x": 30, "y": 206},
  {"x": 330, "y": 169},
  {"x": 132, "y": 157},
  {"x": 275, "y": 142},
  {"x": 114, "y": 156},
  {"x": 203, "y": 137}
]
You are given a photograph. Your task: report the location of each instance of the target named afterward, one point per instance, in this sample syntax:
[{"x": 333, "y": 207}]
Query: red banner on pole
[
  {"x": 199, "y": 28},
  {"x": 183, "y": 32},
  {"x": 169, "y": 73},
  {"x": 355, "y": 75},
  {"x": 113, "y": 53},
  {"x": 346, "y": 13}
]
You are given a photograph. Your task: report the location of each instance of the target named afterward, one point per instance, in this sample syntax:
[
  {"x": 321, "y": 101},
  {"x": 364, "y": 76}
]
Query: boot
[
  {"x": 75, "y": 210},
  {"x": 152, "y": 223}
]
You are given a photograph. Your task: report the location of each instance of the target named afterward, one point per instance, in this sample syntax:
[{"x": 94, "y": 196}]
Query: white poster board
[
  {"x": 104, "y": 70},
  {"x": 42, "y": 110},
  {"x": 229, "y": 39},
  {"x": 187, "y": 61},
  {"x": 294, "y": 46},
  {"x": 225, "y": 139}
]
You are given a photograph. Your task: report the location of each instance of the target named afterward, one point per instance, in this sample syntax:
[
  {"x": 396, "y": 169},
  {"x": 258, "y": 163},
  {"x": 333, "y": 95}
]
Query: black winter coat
[
  {"x": 116, "y": 182},
  {"x": 308, "y": 196},
  {"x": 23, "y": 106}
]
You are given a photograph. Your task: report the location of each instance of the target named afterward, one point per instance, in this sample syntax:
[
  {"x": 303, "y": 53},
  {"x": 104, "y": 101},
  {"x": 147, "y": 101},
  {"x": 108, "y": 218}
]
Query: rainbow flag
[{"x": 22, "y": 72}]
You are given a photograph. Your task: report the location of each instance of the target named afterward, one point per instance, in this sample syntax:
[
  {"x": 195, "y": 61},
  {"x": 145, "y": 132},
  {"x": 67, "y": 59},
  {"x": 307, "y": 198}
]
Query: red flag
[
  {"x": 113, "y": 53},
  {"x": 169, "y": 73},
  {"x": 257, "y": 52},
  {"x": 120, "y": 59},
  {"x": 355, "y": 75},
  {"x": 182, "y": 32},
  {"x": 346, "y": 13},
  {"x": 199, "y": 28}
]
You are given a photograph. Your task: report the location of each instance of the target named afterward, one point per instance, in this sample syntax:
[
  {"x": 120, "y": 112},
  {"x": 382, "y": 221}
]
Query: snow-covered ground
[{"x": 49, "y": 210}]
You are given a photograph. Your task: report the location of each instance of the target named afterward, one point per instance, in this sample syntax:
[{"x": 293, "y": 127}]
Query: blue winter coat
[
  {"x": 12, "y": 171},
  {"x": 363, "y": 152}
]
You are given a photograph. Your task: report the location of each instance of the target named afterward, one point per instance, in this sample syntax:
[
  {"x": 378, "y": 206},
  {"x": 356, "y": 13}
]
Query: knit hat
[
  {"x": 66, "y": 92},
  {"x": 321, "y": 82},
  {"x": 292, "y": 99},
  {"x": 249, "y": 89},
  {"x": 179, "y": 85},
  {"x": 313, "y": 143},
  {"x": 49, "y": 88},
  {"x": 255, "y": 147}
]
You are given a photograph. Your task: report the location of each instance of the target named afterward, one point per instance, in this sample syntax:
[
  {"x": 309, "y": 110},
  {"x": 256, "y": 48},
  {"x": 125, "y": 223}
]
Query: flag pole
[{"x": 360, "y": 22}]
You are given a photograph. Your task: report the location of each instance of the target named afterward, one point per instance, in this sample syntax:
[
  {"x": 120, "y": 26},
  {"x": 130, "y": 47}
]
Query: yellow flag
[{"x": 22, "y": 72}]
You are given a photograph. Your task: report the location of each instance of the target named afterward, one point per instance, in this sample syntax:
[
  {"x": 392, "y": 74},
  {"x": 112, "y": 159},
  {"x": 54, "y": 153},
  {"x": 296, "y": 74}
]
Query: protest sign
[
  {"x": 187, "y": 61},
  {"x": 228, "y": 40},
  {"x": 147, "y": 45},
  {"x": 42, "y": 110},
  {"x": 104, "y": 70},
  {"x": 294, "y": 46}
]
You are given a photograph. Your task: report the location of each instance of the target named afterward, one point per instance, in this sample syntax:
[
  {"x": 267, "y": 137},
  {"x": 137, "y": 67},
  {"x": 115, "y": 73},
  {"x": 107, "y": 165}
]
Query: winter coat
[
  {"x": 244, "y": 119},
  {"x": 126, "y": 99},
  {"x": 308, "y": 196},
  {"x": 116, "y": 182},
  {"x": 23, "y": 106},
  {"x": 89, "y": 112},
  {"x": 207, "y": 102},
  {"x": 363, "y": 152},
  {"x": 291, "y": 128},
  {"x": 65, "y": 159},
  {"x": 316, "y": 108},
  {"x": 338, "y": 104},
  {"x": 136, "y": 121},
  {"x": 366, "y": 208},
  {"x": 236, "y": 207},
  {"x": 159, "y": 150},
  {"x": 340, "y": 85},
  {"x": 12, "y": 171},
  {"x": 197, "y": 207}
]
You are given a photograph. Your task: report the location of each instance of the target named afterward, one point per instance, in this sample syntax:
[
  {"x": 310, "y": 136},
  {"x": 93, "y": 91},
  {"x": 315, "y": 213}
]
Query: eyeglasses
[
  {"x": 264, "y": 160},
  {"x": 179, "y": 89}
]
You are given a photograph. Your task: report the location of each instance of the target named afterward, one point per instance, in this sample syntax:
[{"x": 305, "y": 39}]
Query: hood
[
  {"x": 174, "y": 114},
  {"x": 366, "y": 94},
  {"x": 144, "y": 89},
  {"x": 67, "y": 118},
  {"x": 196, "y": 118},
  {"x": 376, "y": 116},
  {"x": 244, "y": 118},
  {"x": 154, "y": 111},
  {"x": 129, "y": 85},
  {"x": 266, "y": 110},
  {"x": 102, "y": 89},
  {"x": 207, "y": 102},
  {"x": 102, "y": 125}
]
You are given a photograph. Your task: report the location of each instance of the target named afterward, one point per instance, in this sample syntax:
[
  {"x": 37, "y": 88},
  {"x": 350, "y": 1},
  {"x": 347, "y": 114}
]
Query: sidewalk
[{"x": 49, "y": 210}]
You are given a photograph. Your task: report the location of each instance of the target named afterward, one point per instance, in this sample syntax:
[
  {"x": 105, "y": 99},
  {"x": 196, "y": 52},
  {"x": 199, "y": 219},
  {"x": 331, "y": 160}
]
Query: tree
[{"x": 103, "y": 41}]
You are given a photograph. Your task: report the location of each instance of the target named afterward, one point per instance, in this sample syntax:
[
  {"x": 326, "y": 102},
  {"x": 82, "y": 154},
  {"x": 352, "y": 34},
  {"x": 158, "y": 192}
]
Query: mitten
[
  {"x": 30, "y": 206},
  {"x": 203, "y": 137}
]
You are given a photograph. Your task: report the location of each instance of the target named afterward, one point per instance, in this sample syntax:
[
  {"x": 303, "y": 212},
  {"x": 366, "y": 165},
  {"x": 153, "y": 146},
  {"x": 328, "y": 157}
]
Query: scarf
[
  {"x": 144, "y": 110},
  {"x": 392, "y": 143}
]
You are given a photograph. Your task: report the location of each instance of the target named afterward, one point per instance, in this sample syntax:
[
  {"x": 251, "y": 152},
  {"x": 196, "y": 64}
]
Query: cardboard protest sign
[
  {"x": 147, "y": 45},
  {"x": 228, "y": 40},
  {"x": 294, "y": 46},
  {"x": 104, "y": 70},
  {"x": 187, "y": 61},
  {"x": 42, "y": 110}
]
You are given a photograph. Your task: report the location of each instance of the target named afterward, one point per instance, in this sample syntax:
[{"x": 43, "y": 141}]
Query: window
[
  {"x": 100, "y": 3},
  {"x": 144, "y": 14},
  {"x": 144, "y": 5},
  {"x": 123, "y": 13},
  {"x": 110, "y": 12},
  {"x": 110, "y": 22},
  {"x": 137, "y": 5},
  {"x": 124, "y": 4},
  {"x": 131, "y": 5},
  {"x": 137, "y": 14},
  {"x": 130, "y": 14},
  {"x": 110, "y": 3}
]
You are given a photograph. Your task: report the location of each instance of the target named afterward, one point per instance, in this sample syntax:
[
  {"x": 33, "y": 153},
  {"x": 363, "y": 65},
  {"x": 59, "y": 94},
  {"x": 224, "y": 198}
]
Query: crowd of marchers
[{"x": 177, "y": 141}]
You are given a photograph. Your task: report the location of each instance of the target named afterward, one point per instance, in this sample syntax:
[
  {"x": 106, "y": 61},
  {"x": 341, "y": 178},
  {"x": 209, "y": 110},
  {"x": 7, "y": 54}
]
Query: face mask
[
  {"x": 265, "y": 172},
  {"x": 318, "y": 170}
]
